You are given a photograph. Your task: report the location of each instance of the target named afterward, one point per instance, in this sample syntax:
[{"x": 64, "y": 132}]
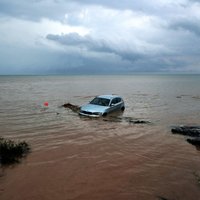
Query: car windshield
[{"x": 100, "y": 101}]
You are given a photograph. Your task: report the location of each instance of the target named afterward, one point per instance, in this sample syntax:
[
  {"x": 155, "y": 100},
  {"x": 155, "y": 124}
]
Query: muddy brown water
[{"x": 108, "y": 158}]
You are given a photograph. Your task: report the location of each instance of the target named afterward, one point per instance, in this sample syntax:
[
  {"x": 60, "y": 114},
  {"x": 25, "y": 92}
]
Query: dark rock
[
  {"x": 194, "y": 141},
  {"x": 74, "y": 108},
  {"x": 192, "y": 131},
  {"x": 139, "y": 121},
  {"x": 11, "y": 152}
]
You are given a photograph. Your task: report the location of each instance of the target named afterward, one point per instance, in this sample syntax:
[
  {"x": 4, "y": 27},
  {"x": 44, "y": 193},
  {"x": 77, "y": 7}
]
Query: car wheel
[
  {"x": 123, "y": 108},
  {"x": 104, "y": 114}
]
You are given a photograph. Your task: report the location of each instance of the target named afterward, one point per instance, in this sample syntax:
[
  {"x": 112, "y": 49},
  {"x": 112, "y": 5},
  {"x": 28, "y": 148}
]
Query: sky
[{"x": 99, "y": 36}]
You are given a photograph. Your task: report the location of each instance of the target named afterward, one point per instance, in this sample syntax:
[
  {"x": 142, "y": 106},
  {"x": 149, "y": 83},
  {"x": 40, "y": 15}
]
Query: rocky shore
[{"x": 193, "y": 133}]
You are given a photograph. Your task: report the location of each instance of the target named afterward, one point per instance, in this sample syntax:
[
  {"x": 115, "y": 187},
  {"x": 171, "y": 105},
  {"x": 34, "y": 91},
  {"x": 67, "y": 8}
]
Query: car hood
[{"x": 94, "y": 108}]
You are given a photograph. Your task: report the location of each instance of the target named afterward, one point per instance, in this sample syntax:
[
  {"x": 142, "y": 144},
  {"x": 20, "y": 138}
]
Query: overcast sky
[{"x": 99, "y": 36}]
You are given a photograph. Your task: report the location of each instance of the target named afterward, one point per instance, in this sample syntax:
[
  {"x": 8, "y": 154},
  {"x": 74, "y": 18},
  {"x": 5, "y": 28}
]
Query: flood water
[{"x": 108, "y": 158}]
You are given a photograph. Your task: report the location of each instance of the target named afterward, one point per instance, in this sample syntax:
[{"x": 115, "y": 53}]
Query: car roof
[{"x": 111, "y": 96}]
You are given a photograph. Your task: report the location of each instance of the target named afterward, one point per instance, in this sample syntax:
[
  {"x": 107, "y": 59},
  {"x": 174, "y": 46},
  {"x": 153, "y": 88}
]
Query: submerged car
[{"x": 102, "y": 105}]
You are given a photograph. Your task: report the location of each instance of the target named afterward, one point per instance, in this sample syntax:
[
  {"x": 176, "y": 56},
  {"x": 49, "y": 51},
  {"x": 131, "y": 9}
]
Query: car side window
[
  {"x": 119, "y": 100},
  {"x": 114, "y": 101}
]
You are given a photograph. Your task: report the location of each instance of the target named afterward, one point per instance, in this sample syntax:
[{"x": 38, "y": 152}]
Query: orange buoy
[{"x": 46, "y": 103}]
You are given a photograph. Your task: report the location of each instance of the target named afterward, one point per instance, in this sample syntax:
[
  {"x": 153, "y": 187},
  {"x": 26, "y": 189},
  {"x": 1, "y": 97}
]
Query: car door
[
  {"x": 118, "y": 103},
  {"x": 115, "y": 105}
]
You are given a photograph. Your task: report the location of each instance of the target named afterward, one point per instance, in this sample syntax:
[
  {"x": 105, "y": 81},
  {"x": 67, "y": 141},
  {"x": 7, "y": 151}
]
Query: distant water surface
[{"x": 167, "y": 99}]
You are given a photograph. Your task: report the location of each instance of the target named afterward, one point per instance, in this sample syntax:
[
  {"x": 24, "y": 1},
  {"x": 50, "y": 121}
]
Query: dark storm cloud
[
  {"x": 87, "y": 41},
  {"x": 33, "y": 9},
  {"x": 187, "y": 25},
  {"x": 127, "y": 60},
  {"x": 96, "y": 45}
]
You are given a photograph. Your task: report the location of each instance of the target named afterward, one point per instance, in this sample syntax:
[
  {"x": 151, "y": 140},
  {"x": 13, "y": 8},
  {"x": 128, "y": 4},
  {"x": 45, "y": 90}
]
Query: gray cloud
[
  {"x": 93, "y": 36},
  {"x": 56, "y": 9},
  {"x": 198, "y": 1},
  {"x": 90, "y": 44},
  {"x": 187, "y": 25},
  {"x": 87, "y": 42},
  {"x": 33, "y": 9}
]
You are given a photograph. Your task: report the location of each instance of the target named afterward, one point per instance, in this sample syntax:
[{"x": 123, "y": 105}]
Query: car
[{"x": 102, "y": 105}]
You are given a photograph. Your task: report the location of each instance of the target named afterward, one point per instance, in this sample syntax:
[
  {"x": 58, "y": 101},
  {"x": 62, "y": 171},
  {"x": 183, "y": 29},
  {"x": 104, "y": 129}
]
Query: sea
[{"x": 102, "y": 158}]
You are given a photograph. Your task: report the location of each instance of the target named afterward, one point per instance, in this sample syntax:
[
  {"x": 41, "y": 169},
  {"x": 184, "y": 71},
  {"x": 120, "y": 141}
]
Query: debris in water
[{"x": 74, "y": 108}]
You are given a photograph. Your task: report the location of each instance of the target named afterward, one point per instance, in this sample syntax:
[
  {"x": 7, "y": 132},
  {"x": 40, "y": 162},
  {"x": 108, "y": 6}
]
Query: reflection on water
[{"x": 122, "y": 156}]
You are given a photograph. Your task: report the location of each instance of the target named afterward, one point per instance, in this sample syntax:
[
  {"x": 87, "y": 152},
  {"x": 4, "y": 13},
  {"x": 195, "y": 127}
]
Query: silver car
[{"x": 102, "y": 105}]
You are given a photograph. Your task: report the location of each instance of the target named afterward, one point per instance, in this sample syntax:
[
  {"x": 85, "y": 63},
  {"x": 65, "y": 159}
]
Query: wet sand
[{"x": 125, "y": 162}]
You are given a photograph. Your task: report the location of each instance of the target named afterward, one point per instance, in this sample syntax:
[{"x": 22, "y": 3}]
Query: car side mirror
[{"x": 112, "y": 104}]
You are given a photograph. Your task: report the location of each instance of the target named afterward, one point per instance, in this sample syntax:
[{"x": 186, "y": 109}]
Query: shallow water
[{"x": 75, "y": 157}]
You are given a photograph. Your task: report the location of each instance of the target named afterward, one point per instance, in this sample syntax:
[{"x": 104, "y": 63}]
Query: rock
[
  {"x": 74, "y": 108},
  {"x": 194, "y": 141},
  {"x": 192, "y": 131},
  {"x": 137, "y": 121},
  {"x": 11, "y": 152}
]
